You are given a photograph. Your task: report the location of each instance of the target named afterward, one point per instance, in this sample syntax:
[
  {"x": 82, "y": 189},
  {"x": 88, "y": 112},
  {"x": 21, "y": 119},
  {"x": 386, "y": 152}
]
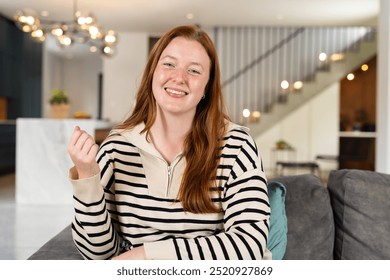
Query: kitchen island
[{"x": 42, "y": 161}]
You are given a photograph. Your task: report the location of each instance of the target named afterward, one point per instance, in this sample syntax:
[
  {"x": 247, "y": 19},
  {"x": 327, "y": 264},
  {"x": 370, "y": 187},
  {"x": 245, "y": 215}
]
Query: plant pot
[{"x": 60, "y": 111}]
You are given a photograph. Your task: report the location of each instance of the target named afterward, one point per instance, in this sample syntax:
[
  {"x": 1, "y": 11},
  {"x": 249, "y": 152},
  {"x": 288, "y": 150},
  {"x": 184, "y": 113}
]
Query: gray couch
[{"x": 348, "y": 219}]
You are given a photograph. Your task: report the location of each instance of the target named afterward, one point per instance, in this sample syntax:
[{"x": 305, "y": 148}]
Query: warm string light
[{"x": 83, "y": 30}]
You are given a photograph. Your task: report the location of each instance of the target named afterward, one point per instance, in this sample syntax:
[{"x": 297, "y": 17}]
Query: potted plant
[
  {"x": 59, "y": 103},
  {"x": 282, "y": 145}
]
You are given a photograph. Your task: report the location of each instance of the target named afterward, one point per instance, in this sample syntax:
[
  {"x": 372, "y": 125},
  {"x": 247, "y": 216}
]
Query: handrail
[
  {"x": 264, "y": 56},
  {"x": 256, "y": 60}
]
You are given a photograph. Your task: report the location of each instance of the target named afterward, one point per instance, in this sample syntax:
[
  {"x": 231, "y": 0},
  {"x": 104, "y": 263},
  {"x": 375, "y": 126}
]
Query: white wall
[
  {"x": 81, "y": 80},
  {"x": 77, "y": 75},
  {"x": 382, "y": 151},
  {"x": 311, "y": 129},
  {"x": 51, "y": 78},
  {"x": 122, "y": 74}
]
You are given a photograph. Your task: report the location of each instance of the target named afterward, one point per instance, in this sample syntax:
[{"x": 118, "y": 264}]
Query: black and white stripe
[{"x": 120, "y": 206}]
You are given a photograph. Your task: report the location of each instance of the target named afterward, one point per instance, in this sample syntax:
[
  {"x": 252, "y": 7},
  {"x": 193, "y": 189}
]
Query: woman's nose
[{"x": 179, "y": 75}]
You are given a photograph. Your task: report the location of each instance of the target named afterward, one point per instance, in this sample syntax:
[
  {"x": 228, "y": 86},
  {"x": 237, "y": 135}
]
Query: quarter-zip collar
[
  {"x": 138, "y": 138},
  {"x": 163, "y": 179}
]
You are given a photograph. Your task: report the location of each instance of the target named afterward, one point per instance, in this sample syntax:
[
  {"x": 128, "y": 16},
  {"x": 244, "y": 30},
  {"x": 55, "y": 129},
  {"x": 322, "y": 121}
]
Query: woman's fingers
[
  {"x": 75, "y": 136},
  {"x": 83, "y": 150},
  {"x": 83, "y": 139}
]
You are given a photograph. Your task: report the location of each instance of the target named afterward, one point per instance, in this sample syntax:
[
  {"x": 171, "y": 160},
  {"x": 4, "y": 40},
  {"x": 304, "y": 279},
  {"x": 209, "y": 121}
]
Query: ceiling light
[
  {"x": 298, "y": 85},
  {"x": 190, "y": 16},
  {"x": 246, "y": 113},
  {"x": 39, "y": 35},
  {"x": 110, "y": 38},
  {"x": 45, "y": 13},
  {"x": 322, "y": 56},
  {"x": 337, "y": 57},
  {"x": 364, "y": 67},
  {"x": 57, "y": 30},
  {"x": 83, "y": 29},
  {"x": 350, "y": 76},
  {"x": 65, "y": 40},
  {"x": 284, "y": 84},
  {"x": 108, "y": 51},
  {"x": 256, "y": 114}
]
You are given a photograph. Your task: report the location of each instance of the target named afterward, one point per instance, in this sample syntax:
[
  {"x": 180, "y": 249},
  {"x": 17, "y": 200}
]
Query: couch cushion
[
  {"x": 60, "y": 247},
  {"x": 309, "y": 218},
  {"x": 277, "y": 237},
  {"x": 361, "y": 205}
]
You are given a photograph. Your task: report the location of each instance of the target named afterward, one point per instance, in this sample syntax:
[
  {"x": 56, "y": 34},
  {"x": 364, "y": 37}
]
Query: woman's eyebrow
[
  {"x": 174, "y": 58},
  {"x": 168, "y": 56}
]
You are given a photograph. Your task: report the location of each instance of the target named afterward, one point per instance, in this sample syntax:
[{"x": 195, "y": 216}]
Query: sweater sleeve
[
  {"x": 246, "y": 219},
  {"x": 93, "y": 230}
]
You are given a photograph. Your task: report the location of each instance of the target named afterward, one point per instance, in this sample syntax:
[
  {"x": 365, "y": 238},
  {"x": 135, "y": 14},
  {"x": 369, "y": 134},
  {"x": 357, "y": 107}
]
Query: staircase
[{"x": 321, "y": 80}]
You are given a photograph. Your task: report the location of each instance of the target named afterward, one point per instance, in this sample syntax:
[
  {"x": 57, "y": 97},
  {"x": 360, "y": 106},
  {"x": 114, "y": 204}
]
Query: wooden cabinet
[
  {"x": 357, "y": 150},
  {"x": 101, "y": 134},
  {"x": 3, "y": 108},
  {"x": 357, "y": 119}
]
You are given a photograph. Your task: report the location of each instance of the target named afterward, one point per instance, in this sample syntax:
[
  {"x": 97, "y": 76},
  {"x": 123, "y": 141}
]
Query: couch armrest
[{"x": 60, "y": 247}]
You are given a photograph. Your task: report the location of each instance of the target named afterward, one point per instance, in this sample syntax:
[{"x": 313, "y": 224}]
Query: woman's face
[{"x": 181, "y": 76}]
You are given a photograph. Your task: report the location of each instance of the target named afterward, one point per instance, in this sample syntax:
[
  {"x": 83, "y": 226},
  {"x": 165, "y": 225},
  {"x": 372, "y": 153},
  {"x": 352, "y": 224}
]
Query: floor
[{"x": 25, "y": 228}]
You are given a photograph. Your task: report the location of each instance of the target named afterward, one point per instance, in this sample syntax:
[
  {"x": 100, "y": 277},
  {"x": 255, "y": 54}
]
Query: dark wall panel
[{"x": 20, "y": 83}]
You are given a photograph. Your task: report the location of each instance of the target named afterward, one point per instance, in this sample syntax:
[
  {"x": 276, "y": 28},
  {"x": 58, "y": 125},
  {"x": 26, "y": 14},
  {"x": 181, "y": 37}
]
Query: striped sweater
[{"x": 133, "y": 202}]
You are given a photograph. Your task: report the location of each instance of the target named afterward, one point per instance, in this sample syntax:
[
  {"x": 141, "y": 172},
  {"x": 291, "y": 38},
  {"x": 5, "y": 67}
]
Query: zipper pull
[{"x": 169, "y": 180}]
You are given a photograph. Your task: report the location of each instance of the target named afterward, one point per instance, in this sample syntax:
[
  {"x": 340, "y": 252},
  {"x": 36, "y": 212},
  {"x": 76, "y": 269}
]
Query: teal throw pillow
[{"x": 277, "y": 237}]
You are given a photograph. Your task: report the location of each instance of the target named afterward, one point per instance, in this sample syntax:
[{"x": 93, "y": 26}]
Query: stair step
[{"x": 322, "y": 79}]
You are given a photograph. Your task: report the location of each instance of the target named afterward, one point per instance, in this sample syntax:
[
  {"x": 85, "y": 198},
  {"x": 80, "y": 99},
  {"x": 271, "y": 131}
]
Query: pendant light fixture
[{"x": 82, "y": 29}]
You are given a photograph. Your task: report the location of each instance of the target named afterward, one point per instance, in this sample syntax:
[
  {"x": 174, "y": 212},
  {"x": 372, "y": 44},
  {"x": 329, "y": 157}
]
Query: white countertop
[
  {"x": 42, "y": 161},
  {"x": 361, "y": 134}
]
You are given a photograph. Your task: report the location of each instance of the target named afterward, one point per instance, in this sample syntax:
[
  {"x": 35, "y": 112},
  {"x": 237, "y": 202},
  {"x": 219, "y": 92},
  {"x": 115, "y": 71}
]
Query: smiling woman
[
  {"x": 177, "y": 179},
  {"x": 180, "y": 78}
]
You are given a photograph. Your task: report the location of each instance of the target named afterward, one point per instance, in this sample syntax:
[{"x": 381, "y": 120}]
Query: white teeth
[{"x": 175, "y": 92}]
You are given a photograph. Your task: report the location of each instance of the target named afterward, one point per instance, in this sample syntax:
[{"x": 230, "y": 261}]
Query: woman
[{"x": 177, "y": 179}]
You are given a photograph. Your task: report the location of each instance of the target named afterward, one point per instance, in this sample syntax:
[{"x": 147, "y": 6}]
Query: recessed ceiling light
[
  {"x": 364, "y": 67},
  {"x": 45, "y": 13},
  {"x": 190, "y": 16}
]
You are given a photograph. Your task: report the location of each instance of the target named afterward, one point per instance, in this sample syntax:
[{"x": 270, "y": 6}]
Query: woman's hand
[
  {"x": 134, "y": 254},
  {"x": 83, "y": 150}
]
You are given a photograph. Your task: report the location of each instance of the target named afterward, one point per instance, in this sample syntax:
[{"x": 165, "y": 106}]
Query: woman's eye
[
  {"x": 168, "y": 64},
  {"x": 194, "y": 71}
]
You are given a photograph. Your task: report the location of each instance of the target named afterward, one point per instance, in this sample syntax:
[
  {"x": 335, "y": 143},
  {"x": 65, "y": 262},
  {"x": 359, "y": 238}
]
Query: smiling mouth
[{"x": 176, "y": 92}]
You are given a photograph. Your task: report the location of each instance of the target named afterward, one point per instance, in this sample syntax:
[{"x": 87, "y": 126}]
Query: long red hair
[{"x": 202, "y": 144}]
